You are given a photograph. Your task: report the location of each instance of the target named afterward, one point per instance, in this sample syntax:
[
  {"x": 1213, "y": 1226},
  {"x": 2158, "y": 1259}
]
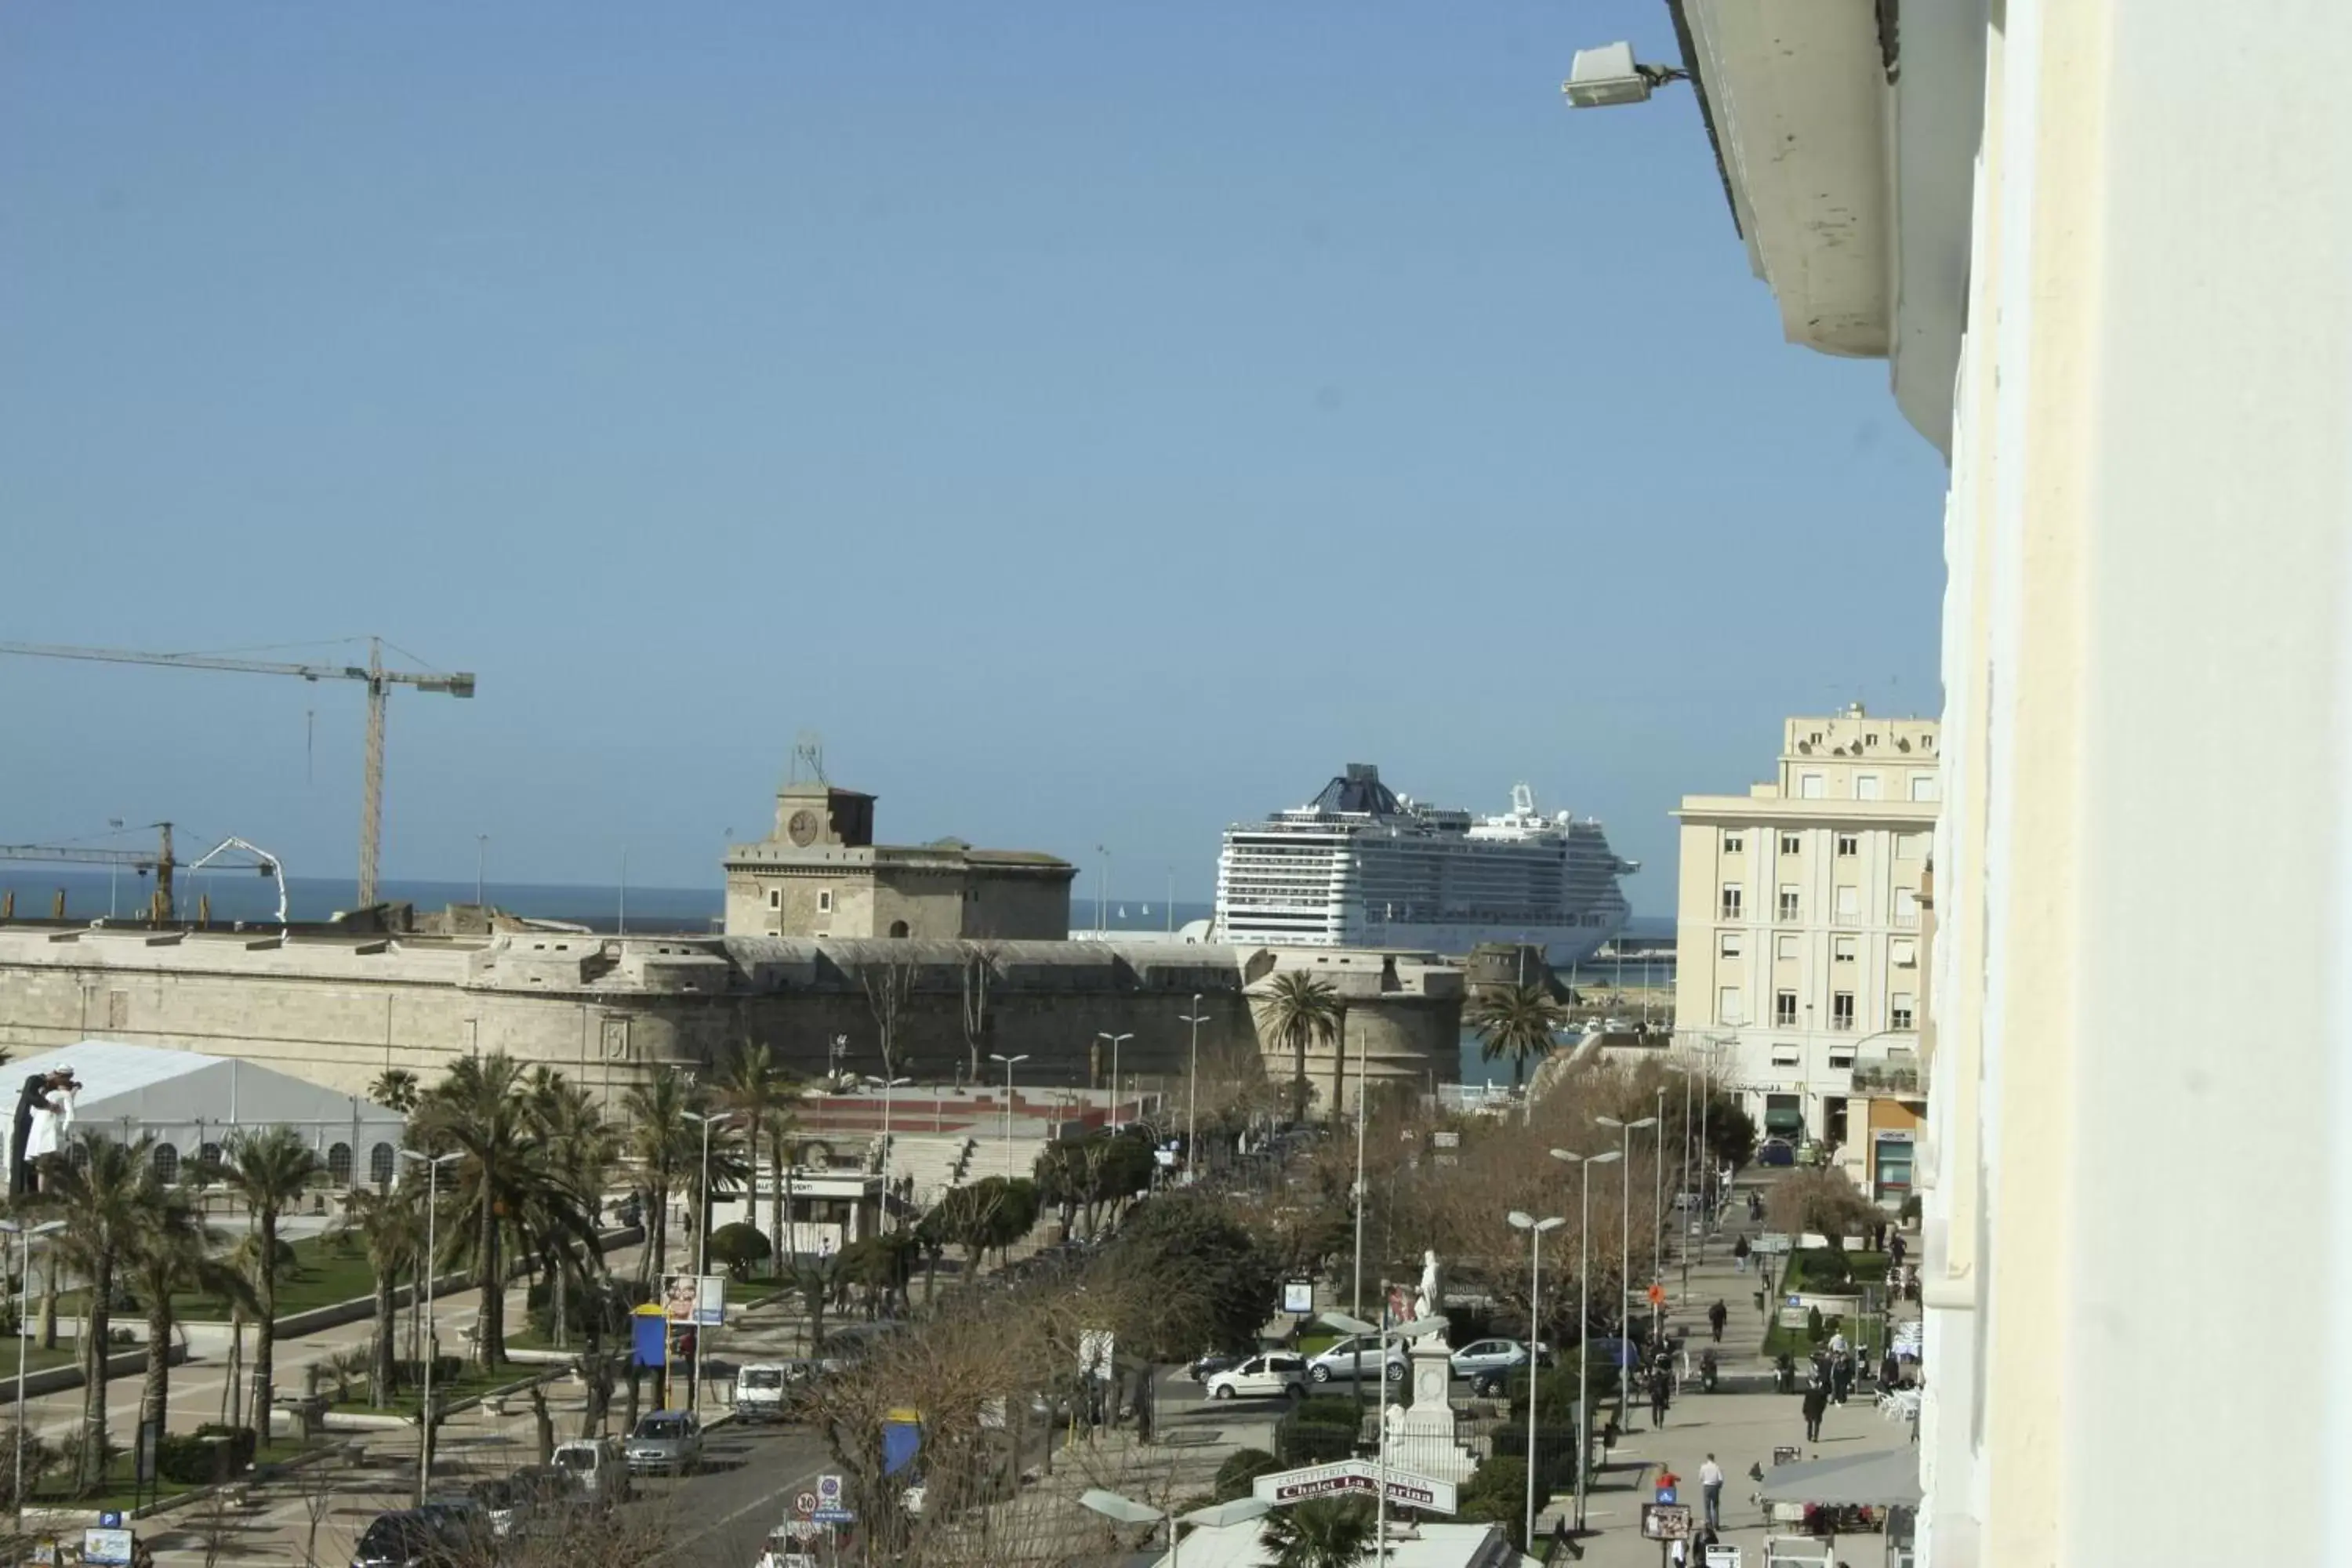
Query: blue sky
[{"x": 1100, "y": 422}]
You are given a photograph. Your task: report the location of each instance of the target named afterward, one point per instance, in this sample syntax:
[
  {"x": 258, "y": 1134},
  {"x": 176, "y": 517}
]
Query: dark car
[
  {"x": 408, "y": 1538},
  {"x": 1206, "y": 1367},
  {"x": 1776, "y": 1151}
]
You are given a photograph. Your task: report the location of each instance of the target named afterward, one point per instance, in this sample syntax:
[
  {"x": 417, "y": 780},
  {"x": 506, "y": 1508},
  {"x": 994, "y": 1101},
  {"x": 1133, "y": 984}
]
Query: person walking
[
  {"x": 1661, "y": 1380},
  {"x": 1710, "y": 1491},
  {"x": 1817, "y": 1404},
  {"x": 1716, "y": 1316},
  {"x": 1739, "y": 1251}
]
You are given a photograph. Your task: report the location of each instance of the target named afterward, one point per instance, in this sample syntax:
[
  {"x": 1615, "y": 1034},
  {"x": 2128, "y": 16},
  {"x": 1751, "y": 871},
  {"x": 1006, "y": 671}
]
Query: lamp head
[
  {"x": 1603, "y": 1159},
  {"x": 1645, "y": 1121},
  {"x": 1520, "y": 1219},
  {"x": 1608, "y": 1122},
  {"x": 1568, "y": 1156}
]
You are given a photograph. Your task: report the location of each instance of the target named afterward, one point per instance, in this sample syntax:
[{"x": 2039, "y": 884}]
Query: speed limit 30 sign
[{"x": 804, "y": 1504}]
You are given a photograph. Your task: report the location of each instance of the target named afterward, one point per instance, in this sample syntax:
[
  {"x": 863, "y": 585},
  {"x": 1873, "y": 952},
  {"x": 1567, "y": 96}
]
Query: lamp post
[
  {"x": 886, "y": 1085},
  {"x": 432, "y": 1164},
  {"x": 1416, "y": 1328},
  {"x": 1584, "y": 1322},
  {"x": 1682, "y": 1233},
  {"x": 1626, "y": 1223},
  {"x": 1126, "y": 1511},
  {"x": 1008, "y": 1062},
  {"x": 481, "y": 856},
  {"x": 24, "y": 1234},
  {"x": 1521, "y": 1220},
  {"x": 1356, "y": 1302},
  {"x": 702, "y": 1245},
  {"x": 1115, "y": 1041},
  {"x": 1192, "y": 1090}
]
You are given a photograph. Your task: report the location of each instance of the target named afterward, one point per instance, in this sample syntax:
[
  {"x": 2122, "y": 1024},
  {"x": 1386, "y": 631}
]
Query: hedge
[
  {"x": 1555, "y": 1451},
  {"x": 1309, "y": 1443},
  {"x": 1325, "y": 1410},
  {"x": 188, "y": 1460}
]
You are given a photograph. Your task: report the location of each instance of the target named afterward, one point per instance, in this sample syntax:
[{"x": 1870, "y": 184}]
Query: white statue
[{"x": 1427, "y": 1303}]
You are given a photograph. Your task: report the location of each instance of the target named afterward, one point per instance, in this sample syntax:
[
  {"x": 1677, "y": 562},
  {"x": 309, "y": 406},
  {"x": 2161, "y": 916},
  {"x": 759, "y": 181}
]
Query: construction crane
[
  {"x": 160, "y": 861},
  {"x": 380, "y": 681}
]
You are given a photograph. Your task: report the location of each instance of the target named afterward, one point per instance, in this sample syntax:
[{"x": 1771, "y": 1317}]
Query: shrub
[
  {"x": 1241, "y": 1467},
  {"x": 1555, "y": 1450},
  {"x": 1497, "y": 1494},
  {"x": 1330, "y": 1410},
  {"x": 40, "y": 1459},
  {"x": 1909, "y": 1213},
  {"x": 242, "y": 1442},
  {"x": 736, "y": 1247},
  {"x": 1309, "y": 1443}
]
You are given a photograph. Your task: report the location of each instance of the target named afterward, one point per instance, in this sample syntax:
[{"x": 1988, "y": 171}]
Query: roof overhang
[{"x": 1846, "y": 132}]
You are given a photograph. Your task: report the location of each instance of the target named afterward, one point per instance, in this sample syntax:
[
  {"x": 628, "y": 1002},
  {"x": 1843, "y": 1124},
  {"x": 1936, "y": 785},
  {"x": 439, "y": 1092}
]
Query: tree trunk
[
  {"x": 776, "y": 1207},
  {"x": 560, "y": 1319},
  {"x": 49, "y": 1300},
  {"x": 1339, "y": 1068},
  {"x": 383, "y": 1377},
  {"x": 155, "y": 1397},
  {"x": 92, "y": 1476},
  {"x": 1298, "y": 1074},
  {"x": 265, "y": 1328},
  {"x": 489, "y": 1337}
]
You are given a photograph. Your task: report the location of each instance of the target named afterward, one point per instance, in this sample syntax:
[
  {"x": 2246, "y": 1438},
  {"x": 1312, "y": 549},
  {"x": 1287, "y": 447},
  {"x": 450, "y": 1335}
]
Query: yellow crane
[{"x": 380, "y": 681}]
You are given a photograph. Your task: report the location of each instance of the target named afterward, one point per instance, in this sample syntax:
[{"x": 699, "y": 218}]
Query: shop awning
[{"x": 1888, "y": 1478}]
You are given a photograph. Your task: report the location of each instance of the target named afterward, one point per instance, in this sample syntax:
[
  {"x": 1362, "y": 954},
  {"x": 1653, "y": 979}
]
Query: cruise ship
[{"x": 1359, "y": 865}]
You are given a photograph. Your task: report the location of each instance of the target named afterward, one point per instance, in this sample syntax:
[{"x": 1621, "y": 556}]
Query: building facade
[
  {"x": 2102, "y": 246},
  {"x": 820, "y": 874},
  {"x": 1798, "y": 916}
]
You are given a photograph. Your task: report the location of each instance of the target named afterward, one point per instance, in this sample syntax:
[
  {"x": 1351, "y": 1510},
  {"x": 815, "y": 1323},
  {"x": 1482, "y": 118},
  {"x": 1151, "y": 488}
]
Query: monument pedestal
[{"x": 1424, "y": 1435}]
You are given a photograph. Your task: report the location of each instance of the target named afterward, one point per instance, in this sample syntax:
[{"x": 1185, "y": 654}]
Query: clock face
[{"x": 803, "y": 827}]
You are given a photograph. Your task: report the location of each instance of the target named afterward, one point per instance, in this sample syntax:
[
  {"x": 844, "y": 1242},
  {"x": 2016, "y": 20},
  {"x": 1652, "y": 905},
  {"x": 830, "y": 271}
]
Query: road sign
[
  {"x": 1299, "y": 1296},
  {"x": 109, "y": 1519},
  {"x": 1665, "y": 1522},
  {"x": 828, "y": 1492},
  {"x": 1657, "y": 1295},
  {"x": 804, "y": 1504},
  {"x": 109, "y": 1547},
  {"x": 1404, "y": 1489},
  {"x": 1669, "y": 1494},
  {"x": 835, "y": 1516}
]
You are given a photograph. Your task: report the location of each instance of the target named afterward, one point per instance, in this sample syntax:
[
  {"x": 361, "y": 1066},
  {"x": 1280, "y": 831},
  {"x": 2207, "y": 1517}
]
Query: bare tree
[
  {"x": 978, "y": 967},
  {"x": 889, "y": 983}
]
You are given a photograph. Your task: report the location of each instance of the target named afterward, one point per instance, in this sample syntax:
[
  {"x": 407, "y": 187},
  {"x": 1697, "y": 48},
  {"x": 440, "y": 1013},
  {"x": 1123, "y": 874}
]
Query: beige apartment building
[{"x": 1797, "y": 936}]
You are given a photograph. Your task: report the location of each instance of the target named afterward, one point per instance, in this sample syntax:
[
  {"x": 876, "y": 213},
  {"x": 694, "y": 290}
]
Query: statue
[{"x": 1428, "y": 1303}]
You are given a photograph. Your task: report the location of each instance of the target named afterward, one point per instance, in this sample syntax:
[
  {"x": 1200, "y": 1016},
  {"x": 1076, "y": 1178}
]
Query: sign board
[
  {"x": 828, "y": 1492},
  {"x": 108, "y": 1547},
  {"x": 1657, "y": 1295},
  {"x": 1720, "y": 1556},
  {"x": 1299, "y": 1296},
  {"x": 1770, "y": 1241},
  {"x": 803, "y": 1529},
  {"x": 1670, "y": 1494},
  {"x": 804, "y": 1504},
  {"x": 109, "y": 1519},
  {"x": 1404, "y": 1489},
  {"x": 1793, "y": 1317},
  {"x": 1665, "y": 1522},
  {"x": 1786, "y": 1454},
  {"x": 698, "y": 1298},
  {"x": 835, "y": 1516},
  {"x": 1095, "y": 1347},
  {"x": 1446, "y": 1140}
]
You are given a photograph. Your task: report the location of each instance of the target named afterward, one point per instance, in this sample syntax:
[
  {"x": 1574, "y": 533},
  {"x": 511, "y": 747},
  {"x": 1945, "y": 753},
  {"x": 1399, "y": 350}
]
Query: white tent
[{"x": 190, "y": 1103}]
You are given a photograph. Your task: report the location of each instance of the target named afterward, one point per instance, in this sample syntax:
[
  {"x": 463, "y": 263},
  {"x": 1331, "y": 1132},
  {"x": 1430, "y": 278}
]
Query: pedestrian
[
  {"x": 1739, "y": 1251},
  {"x": 1715, "y": 1317},
  {"x": 1841, "y": 1378},
  {"x": 1661, "y": 1383},
  {"x": 1895, "y": 1250},
  {"x": 1817, "y": 1404},
  {"x": 1710, "y": 1491}
]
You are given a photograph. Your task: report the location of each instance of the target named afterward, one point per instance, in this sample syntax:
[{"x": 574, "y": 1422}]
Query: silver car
[
  {"x": 1488, "y": 1364},
  {"x": 1358, "y": 1355},
  {"x": 667, "y": 1442}
]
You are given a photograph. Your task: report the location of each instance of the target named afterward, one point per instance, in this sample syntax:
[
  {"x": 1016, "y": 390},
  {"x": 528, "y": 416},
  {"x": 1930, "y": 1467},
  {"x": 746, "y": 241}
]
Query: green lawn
[
  {"x": 57, "y": 1489},
  {"x": 322, "y": 1273},
  {"x": 467, "y": 1384},
  {"x": 36, "y": 1359}
]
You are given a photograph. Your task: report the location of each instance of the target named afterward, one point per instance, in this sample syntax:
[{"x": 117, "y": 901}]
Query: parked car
[
  {"x": 465, "y": 1522},
  {"x": 1776, "y": 1151},
  {"x": 763, "y": 1389},
  {"x": 1488, "y": 1364},
  {"x": 1205, "y": 1367},
  {"x": 407, "y": 1539},
  {"x": 667, "y": 1442},
  {"x": 1276, "y": 1374},
  {"x": 597, "y": 1467},
  {"x": 1341, "y": 1360}
]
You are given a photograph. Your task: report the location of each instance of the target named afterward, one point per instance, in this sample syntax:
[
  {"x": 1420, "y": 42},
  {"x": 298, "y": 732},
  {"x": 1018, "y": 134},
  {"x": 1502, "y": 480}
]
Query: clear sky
[{"x": 1099, "y": 421}]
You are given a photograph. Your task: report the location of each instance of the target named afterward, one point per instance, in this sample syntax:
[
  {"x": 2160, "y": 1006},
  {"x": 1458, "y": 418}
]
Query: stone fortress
[{"x": 807, "y": 963}]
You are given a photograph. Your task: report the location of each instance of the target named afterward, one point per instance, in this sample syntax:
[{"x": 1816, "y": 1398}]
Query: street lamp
[
  {"x": 25, "y": 1235},
  {"x": 481, "y": 855},
  {"x": 886, "y": 1085},
  {"x": 1584, "y": 1323},
  {"x": 1115, "y": 1042},
  {"x": 432, "y": 1164},
  {"x": 1414, "y": 1329},
  {"x": 1192, "y": 1091},
  {"x": 1008, "y": 1062},
  {"x": 701, "y": 1244},
  {"x": 1126, "y": 1511},
  {"x": 1626, "y": 1223},
  {"x": 1521, "y": 1220}
]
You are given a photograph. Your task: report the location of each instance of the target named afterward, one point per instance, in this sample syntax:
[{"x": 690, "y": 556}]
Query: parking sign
[{"x": 828, "y": 1492}]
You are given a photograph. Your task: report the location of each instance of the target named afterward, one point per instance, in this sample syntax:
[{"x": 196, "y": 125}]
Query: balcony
[{"x": 1896, "y": 1073}]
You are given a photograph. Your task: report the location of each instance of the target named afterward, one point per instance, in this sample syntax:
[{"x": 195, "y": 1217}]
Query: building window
[
  {"x": 1735, "y": 844},
  {"x": 1849, "y": 903},
  {"x": 824, "y": 900},
  {"x": 898, "y": 928},
  {"x": 1791, "y": 844},
  {"x": 380, "y": 1164},
  {"x": 1924, "y": 786},
  {"x": 1788, "y": 900},
  {"x": 1849, "y": 843},
  {"x": 1841, "y": 1058},
  {"x": 1843, "y": 953},
  {"x": 1911, "y": 847},
  {"x": 1865, "y": 786},
  {"x": 1841, "y": 1009},
  {"x": 1809, "y": 786},
  {"x": 775, "y": 898},
  {"x": 1902, "y": 953},
  {"x": 1907, "y": 907},
  {"x": 1899, "y": 1014},
  {"x": 1786, "y": 949},
  {"x": 1728, "y": 946},
  {"x": 339, "y": 1164},
  {"x": 1731, "y": 901},
  {"x": 1784, "y": 1009},
  {"x": 166, "y": 1163},
  {"x": 1788, "y": 1057},
  {"x": 1729, "y": 1006}
]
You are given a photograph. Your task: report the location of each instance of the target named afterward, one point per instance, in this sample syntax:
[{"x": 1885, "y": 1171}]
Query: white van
[{"x": 597, "y": 1466}]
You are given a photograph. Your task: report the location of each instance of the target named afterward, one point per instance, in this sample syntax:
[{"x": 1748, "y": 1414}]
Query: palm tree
[
  {"x": 756, "y": 1087},
  {"x": 395, "y": 1088},
  {"x": 391, "y": 1228},
  {"x": 1327, "y": 1532},
  {"x": 666, "y": 1146},
  {"x": 101, "y": 1192},
  {"x": 582, "y": 1147},
  {"x": 1517, "y": 1022},
  {"x": 1300, "y": 1010},
  {"x": 509, "y": 1185},
  {"x": 174, "y": 1252},
  {"x": 269, "y": 1169}
]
